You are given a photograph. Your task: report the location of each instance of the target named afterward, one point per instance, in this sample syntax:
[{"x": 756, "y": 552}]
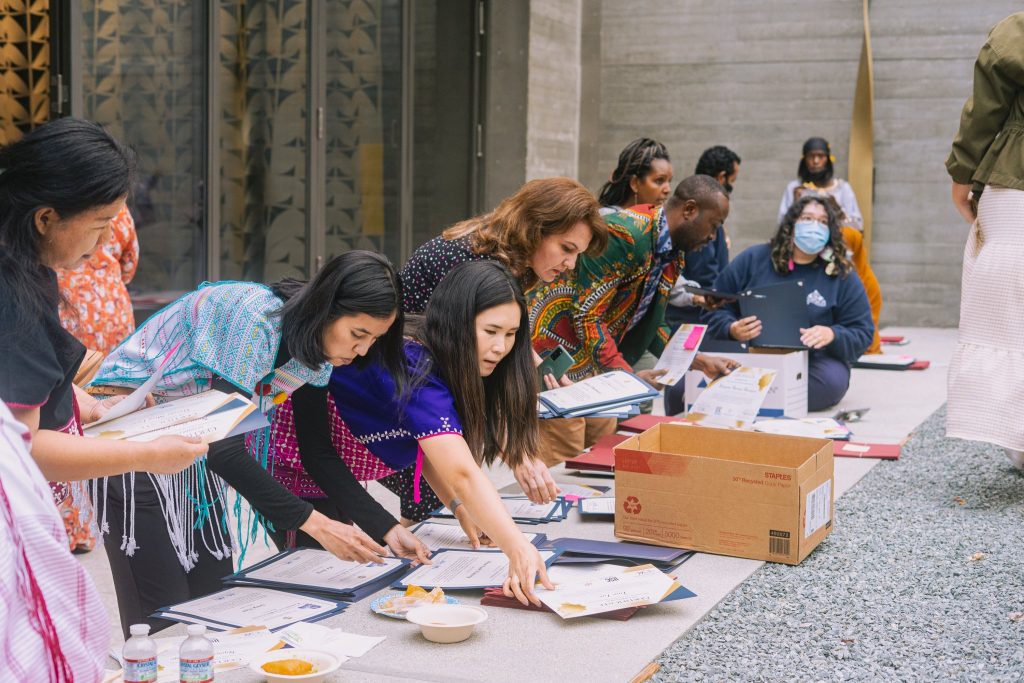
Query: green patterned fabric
[{"x": 589, "y": 310}]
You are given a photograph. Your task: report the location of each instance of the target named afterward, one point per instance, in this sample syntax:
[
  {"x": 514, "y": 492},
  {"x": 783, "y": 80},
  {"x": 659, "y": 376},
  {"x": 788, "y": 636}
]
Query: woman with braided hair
[{"x": 643, "y": 176}]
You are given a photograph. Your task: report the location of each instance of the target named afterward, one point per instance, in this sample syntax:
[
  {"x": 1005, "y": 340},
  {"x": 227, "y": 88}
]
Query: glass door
[
  {"x": 142, "y": 78},
  {"x": 275, "y": 134}
]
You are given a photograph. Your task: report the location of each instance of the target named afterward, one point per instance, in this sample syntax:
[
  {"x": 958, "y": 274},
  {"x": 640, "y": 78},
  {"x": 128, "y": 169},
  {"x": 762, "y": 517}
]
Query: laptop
[{"x": 782, "y": 310}]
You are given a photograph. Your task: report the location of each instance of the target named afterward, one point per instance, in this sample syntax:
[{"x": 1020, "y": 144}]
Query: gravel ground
[{"x": 922, "y": 580}]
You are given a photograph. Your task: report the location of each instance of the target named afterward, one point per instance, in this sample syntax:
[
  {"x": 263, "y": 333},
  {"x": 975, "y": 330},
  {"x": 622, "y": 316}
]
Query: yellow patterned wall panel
[{"x": 24, "y": 66}]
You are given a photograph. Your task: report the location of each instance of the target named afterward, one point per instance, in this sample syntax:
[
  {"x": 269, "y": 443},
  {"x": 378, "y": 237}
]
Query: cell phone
[
  {"x": 712, "y": 294},
  {"x": 556, "y": 363}
]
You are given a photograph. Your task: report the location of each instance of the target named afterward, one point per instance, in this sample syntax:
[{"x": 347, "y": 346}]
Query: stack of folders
[
  {"x": 600, "y": 458},
  {"x": 595, "y": 508},
  {"x": 309, "y": 570},
  {"x": 240, "y": 606},
  {"x": 612, "y": 394},
  {"x": 438, "y": 536},
  {"x": 523, "y": 511},
  {"x": 585, "y": 551}
]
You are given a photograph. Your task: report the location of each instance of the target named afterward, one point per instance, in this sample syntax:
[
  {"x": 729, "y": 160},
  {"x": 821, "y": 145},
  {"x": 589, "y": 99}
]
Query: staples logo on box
[
  {"x": 632, "y": 505},
  {"x": 778, "y": 475}
]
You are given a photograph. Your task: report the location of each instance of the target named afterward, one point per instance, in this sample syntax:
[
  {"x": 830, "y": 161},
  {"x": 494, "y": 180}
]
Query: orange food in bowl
[{"x": 288, "y": 667}]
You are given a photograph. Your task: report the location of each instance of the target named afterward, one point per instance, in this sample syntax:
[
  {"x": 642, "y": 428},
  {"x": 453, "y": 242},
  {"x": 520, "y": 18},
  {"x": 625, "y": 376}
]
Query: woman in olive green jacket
[{"x": 986, "y": 376}]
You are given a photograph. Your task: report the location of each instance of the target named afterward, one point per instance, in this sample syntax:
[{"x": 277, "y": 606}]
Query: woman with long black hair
[
  {"x": 271, "y": 343},
  {"x": 60, "y": 188},
  {"x": 471, "y": 399}
]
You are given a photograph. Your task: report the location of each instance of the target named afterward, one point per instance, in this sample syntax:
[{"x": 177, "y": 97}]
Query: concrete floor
[{"x": 514, "y": 645}]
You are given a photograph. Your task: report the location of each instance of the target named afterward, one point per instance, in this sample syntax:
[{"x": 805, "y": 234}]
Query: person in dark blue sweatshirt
[
  {"x": 809, "y": 247},
  {"x": 704, "y": 265}
]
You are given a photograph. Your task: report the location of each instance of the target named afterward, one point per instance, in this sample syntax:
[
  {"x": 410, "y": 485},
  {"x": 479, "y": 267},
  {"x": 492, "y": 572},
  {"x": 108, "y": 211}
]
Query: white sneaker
[{"x": 1016, "y": 457}]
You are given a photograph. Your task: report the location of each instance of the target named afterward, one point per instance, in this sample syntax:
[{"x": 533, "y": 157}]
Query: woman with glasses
[{"x": 808, "y": 246}]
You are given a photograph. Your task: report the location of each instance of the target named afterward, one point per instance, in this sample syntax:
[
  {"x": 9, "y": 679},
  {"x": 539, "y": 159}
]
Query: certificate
[
  {"x": 449, "y": 536},
  {"x": 679, "y": 353},
  {"x": 210, "y": 416},
  {"x": 521, "y": 508},
  {"x": 611, "y": 388},
  {"x": 733, "y": 400},
  {"x": 464, "y": 569},
  {"x": 632, "y": 587},
  {"x": 811, "y": 427},
  {"x": 597, "y": 506},
  {"x": 317, "y": 570},
  {"x": 251, "y": 606}
]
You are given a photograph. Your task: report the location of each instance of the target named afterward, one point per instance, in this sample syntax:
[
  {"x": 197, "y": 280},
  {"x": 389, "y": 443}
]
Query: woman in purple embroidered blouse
[{"x": 459, "y": 409}]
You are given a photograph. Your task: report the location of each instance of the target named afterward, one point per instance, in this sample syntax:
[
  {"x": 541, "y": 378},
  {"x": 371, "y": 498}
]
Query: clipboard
[
  {"x": 712, "y": 294},
  {"x": 782, "y": 310}
]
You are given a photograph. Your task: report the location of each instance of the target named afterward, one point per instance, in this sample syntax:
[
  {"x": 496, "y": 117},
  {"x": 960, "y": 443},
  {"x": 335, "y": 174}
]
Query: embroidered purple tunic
[{"x": 373, "y": 433}]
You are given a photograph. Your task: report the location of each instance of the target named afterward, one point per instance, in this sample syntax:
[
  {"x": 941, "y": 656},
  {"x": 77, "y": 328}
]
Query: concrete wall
[
  {"x": 553, "y": 114},
  {"x": 762, "y": 77},
  {"x": 924, "y": 57},
  {"x": 570, "y": 82}
]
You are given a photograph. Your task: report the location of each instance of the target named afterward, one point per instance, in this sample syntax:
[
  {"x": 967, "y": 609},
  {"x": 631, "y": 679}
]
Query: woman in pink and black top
[{"x": 471, "y": 398}]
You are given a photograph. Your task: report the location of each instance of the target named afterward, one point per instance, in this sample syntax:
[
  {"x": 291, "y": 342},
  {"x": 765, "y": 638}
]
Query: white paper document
[
  {"x": 811, "y": 427},
  {"x": 250, "y": 606},
  {"x": 632, "y": 587},
  {"x": 137, "y": 399},
  {"x": 462, "y": 569},
  {"x": 606, "y": 388},
  {"x": 521, "y": 508},
  {"x": 317, "y": 637},
  {"x": 211, "y": 416},
  {"x": 598, "y": 506},
  {"x": 313, "y": 569},
  {"x": 679, "y": 353},
  {"x": 733, "y": 400},
  {"x": 437, "y": 536}
]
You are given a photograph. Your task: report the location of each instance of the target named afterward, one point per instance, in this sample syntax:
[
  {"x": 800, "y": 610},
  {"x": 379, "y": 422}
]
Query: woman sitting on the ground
[
  {"x": 808, "y": 247},
  {"x": 472, "y": 398}
]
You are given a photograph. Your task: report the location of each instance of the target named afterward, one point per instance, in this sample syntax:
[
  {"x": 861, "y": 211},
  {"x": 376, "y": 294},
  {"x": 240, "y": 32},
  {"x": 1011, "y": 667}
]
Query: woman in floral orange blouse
[{"x": 98, "y": 312}]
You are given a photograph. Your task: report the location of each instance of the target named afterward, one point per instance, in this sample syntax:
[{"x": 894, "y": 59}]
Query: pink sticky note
[{"x": 694, "y": 339}]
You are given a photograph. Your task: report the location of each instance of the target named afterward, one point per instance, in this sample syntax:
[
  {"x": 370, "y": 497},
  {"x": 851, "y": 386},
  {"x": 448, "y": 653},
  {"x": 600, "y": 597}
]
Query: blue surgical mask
[{"x": 810, "y": 237}]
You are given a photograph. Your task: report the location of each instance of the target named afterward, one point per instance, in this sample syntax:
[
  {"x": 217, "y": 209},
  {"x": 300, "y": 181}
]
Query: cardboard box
[
  {"x": 745, "y": 494},
  {"x": 787, "y": 395}
]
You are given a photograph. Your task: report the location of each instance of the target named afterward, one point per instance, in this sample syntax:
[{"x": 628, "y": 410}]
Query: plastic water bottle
[
  {"x": 139, "y": 654},
  {"x": 195, "y": 658}
]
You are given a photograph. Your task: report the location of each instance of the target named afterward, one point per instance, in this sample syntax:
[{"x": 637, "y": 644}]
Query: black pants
[{"x": 153, "y": 577}]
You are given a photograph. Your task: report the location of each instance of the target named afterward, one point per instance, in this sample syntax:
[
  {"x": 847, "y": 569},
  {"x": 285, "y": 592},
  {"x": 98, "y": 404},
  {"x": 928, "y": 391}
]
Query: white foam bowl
[
  {"x": 446, "y": 623},
  {"x": 324, "y": 663}
]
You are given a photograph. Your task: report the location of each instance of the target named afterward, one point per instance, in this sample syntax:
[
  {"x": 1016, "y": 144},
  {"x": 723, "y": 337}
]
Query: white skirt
[{"x": 986, "y": 376}]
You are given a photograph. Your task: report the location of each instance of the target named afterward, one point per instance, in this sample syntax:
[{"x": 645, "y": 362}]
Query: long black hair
[
  {"x": 352, "y": 283},
  {"x": 823, "y": 177},
  {"x": 834, "y": 253},
  {"x": 499, "y": 412},
  {"x": 70, "y": 166},
  {"x": 634, "y": 162}
]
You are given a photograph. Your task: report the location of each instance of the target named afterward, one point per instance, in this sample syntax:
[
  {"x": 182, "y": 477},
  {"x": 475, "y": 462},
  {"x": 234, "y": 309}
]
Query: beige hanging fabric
[{"x": 862, "y": 136}]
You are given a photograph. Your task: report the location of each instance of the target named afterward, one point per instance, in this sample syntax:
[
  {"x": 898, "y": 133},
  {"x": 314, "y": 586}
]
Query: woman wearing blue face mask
[{"x": 808, "y": 247}]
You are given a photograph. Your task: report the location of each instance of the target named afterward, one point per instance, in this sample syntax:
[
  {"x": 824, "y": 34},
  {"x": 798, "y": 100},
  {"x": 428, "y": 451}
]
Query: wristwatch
[{"x": 454, "y": 505}]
